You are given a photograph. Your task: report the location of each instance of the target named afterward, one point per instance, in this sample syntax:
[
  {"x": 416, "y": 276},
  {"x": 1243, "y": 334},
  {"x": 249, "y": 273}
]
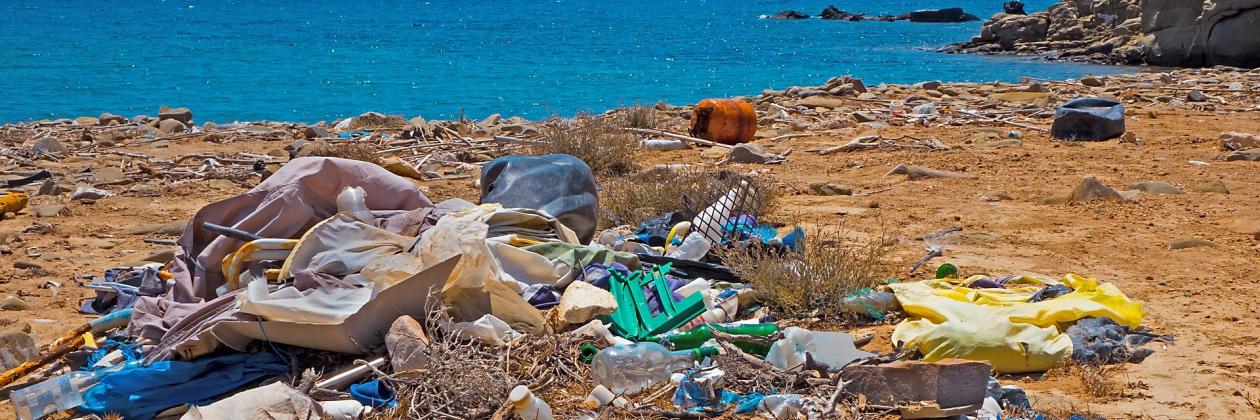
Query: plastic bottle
[
  {"x": 710, "y": 220},
  {"x": 55, "y": 395},
  {"x": 782, "y": 406},
  {"x": 693, "y": 248},
  {"x": 696, "y": 337},
  {"x": 629, "y": 369},
  {"x": 353, "y": 200},
  {"x": 527, "y": 405}
]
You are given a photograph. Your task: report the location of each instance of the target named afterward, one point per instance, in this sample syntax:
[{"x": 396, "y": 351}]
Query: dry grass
[
  {"x": 604, "y": 147},
  {"x": 356, "y": 151},
  {"x": 1101, "y": 381},
  {"x": 649, "y": 194},
  {"x": 640, "y": 116},
  {"x": 812, "y": 283}
]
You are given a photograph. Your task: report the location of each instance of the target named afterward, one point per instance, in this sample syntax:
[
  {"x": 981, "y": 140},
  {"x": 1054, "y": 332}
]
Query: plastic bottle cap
[{"x": 519, "y": 395}]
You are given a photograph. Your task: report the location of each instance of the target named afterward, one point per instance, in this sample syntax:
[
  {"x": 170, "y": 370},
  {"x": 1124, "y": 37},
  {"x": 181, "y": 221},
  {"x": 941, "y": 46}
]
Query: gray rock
[
  {"x": 829, "y": 189},
  {"x": 751, "y": 153},
  {"x": 863, "y": 117},
  {"x": 171, "y": 127},
  {"x": 48, "y": 144},
  {"x": 407, "y": 345},
  {"x": 1184, "y": 243},
  {"x": 315, "y": 132},
  {"x": 50, "y": 187},
  {"x": 182, "y": 115},
  {"x": 1196, "y": 96},
  {"x": 1250, "y": 154},
  {"x": 12, "y": 303},
  {"x": 107, "y": 119},
  {"x": 1156, "y": 187},
  {"x": 490, "y": 121},
  {"x": 52, "y": 210},
  {"x": 5, "y": 250},
  {"x": 929, "y": 85},
  {"x": 913, "y": 173},
  {"x": 1091, "y": 189}
]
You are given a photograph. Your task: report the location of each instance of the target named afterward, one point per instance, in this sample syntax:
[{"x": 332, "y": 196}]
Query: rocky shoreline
[{"x": 1175, "y": 33}]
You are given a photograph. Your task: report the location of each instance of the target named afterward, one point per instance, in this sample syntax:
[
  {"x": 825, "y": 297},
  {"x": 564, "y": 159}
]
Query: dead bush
[
  {"x": 373, "y": 120},
  {"x": 604, "y": 147},
  {"x": 649, "y": 194},
  {"x": 467, "y": 379},
  {"x": 356, "y": 151},
  {"x": 813, "y": 281},
  {"x": 640, "y": 116}
]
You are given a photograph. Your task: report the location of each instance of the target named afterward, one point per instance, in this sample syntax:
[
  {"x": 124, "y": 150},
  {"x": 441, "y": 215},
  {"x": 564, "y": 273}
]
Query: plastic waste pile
[{"x": 339, "y": 267}]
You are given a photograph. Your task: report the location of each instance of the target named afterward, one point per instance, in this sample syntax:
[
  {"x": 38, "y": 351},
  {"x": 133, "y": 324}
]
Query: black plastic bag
[{"x": 1088, "y": 119}]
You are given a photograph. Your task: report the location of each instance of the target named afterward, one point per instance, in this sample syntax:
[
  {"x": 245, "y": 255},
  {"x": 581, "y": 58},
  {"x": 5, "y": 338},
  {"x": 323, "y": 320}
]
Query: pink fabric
[{"x": 299, "y": 195}]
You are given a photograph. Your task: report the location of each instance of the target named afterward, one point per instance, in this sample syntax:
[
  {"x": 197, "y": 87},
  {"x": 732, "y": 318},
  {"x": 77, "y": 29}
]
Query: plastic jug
[
  {"x": 629, "y": 369},
  {"x": 527, "y": 405}
]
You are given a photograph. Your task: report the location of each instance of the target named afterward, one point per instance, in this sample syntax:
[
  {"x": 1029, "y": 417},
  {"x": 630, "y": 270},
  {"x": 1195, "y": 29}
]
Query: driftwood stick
[{"x": 701, "y": 142}]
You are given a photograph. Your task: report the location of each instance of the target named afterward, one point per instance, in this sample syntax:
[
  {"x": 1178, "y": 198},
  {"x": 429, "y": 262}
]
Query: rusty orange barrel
[{"x": 726, "y": 121}]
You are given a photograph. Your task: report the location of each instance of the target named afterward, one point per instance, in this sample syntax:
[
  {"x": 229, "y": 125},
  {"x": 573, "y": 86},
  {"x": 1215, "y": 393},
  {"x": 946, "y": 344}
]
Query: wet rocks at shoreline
[
  {"x": 1155, "y": 32},
  {"x": 946, "y": 15}
]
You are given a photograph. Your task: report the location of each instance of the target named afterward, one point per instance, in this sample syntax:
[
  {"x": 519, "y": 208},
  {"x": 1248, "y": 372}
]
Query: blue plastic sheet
[{"x": 142, "y": 392}]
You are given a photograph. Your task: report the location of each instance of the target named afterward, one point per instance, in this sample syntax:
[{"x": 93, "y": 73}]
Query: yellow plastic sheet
[{"x": 999, "y": 325}]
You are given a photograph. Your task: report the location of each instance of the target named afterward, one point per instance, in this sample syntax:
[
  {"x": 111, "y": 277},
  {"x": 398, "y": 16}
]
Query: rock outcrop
[
  {"x": 948, "y": 15},
  {"x": 1186, "y": 33},
  {"x": 788, "y": 15}
]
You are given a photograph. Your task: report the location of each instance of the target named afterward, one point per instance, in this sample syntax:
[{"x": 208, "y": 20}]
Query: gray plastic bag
[{"x": 561, "y": 185}]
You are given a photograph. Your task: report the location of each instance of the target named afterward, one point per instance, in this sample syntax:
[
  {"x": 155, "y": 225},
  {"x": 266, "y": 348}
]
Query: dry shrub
[
  {"x": 606, "y": 148},
  {"x": 813, "y": 281},
  {"x": 373, "y": 120},
  {"x": 467, "y": 379},
  {"x": 649, "y": 194},
  {"x": 356, "y": 151},
  {"x": 640, "y": 116}
]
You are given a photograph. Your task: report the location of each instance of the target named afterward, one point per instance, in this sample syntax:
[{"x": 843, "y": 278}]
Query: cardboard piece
[{"x": 357, "y": 334}]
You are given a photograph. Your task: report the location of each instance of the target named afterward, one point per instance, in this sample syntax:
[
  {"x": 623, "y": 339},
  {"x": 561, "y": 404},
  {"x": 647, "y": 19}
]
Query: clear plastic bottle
[
  {"x": 693, "y": 248},
  {"x": 53, "y": 395},
  {"x": 527, "y": 405},
  {"x": 629, "y": 369}
]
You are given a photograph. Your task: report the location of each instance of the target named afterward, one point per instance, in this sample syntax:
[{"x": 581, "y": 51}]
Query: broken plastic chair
[{"x": 634, "y": 319}]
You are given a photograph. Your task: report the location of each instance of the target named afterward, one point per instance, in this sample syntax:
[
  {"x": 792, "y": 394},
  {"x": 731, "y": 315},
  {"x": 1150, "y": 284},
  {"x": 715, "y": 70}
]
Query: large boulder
[
  {"x": 832, "y": 13},
  {"x": 948, "y": 15},
  {"x": 789, "y": 15},
  {"x": 182, "y": 115},
  {"x": 1198, "y": 33},
  {"x": 1014, "y": 8}
]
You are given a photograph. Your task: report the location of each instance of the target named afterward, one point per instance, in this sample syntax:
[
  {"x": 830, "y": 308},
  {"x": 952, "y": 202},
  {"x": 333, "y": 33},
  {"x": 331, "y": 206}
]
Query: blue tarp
[{"x": 142, "y": 392}]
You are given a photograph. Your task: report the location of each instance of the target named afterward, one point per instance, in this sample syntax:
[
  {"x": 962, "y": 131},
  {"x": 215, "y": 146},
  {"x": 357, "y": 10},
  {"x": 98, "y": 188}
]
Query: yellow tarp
[{"x": 948, "y": 320}]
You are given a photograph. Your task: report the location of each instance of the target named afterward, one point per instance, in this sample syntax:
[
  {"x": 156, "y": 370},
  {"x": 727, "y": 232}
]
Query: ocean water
[{"x": 318, "y": 60}]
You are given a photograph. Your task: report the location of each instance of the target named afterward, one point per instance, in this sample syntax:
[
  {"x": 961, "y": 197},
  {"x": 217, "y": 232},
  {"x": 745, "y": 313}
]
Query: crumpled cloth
[
  {"x": 275, "y": 401},
  {"x": 299, "y": 195},
  {"x": 138, "y": 392},
  {"x": 1000, "y": 325}
]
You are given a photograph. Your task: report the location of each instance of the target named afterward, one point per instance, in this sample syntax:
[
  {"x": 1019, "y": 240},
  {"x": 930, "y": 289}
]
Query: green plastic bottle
[{"x": 697, "y": 336}]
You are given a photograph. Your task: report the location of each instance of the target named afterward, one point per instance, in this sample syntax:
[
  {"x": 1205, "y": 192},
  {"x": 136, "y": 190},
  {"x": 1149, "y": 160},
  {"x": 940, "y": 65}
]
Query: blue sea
[{"x": 313, "y": 60}]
